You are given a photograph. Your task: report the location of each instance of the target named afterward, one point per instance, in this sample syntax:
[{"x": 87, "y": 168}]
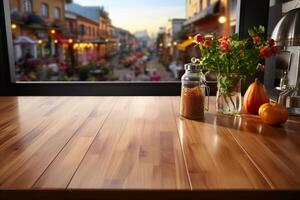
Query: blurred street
[{"x": 152, "y": 65}]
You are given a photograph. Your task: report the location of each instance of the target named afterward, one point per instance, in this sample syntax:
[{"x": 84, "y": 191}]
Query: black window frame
[{"x": 8, "y": 86}]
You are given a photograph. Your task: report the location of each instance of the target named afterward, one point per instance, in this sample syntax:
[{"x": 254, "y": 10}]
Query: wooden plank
[
  {"x": 23, "y": 162},
  {"x": 16, "y": 120},
  {"x": 137, "y": 148},
  {"x": 62, "y": 169},
  {"x": 214, "y": 159},
  {"x": 26, "y": 122},
  {"x": 140, "y": 143},
  {"x": 274, "y": 150}
]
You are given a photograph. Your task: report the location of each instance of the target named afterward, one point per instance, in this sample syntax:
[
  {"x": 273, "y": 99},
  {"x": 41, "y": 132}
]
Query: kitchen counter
[{"x": 104, "y": 143}]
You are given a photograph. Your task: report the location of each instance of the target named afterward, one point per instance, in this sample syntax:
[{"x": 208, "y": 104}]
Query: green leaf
[
  {"x": 261, "y": 29},
  {"x": 235, "y": 36},
  {"x": 251, "y": 32}
]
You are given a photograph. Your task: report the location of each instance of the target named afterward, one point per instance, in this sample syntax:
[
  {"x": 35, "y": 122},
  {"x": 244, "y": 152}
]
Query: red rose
[
  {"x": 265, "y": 52},
  {"x": 199, "y": 38},
  {"x": 208, "y": 43},
  {"x": 226, "y": 47},
  {"x": 256, "y": 40},
  {"x": 271, "y": 42}
]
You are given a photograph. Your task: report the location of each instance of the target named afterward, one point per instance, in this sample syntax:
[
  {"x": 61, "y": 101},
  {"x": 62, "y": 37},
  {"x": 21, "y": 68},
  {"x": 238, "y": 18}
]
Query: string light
[
  {"x": 13, "y": 26},
  {"x": 222, "y": 20},
  {"x": 40, "y": 41},
  {"x": 75, "y": 46},
  {"x": 53, "y": 31}
]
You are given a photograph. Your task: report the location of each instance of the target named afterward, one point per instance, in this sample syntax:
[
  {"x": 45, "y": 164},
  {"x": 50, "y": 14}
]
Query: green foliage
[
  {"x": 233, "y": 59},
  {"x": 256, "y": 31}
]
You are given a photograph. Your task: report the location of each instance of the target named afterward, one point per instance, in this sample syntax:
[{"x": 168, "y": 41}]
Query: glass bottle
[{"x": 192, "y": 105}]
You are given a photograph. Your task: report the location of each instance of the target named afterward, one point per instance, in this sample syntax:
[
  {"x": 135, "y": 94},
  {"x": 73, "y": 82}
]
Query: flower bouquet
[{"x": 234, "y": 59}]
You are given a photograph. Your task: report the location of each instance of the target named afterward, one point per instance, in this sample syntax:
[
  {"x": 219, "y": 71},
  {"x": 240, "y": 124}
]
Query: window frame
[
  {"x": 25, "y": 7},
  {"x": 57, "y": 13},
  {"x": 8, "y": 85},
  {"x": 46, "y": 6}
]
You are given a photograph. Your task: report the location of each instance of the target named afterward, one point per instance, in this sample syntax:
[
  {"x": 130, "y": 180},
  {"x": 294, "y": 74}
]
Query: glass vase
[{"x": 229, "y": 98}]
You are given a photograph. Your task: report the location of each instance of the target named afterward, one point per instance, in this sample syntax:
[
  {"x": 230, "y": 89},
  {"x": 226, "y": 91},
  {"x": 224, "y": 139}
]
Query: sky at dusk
[{"x": 135, "y": 15}]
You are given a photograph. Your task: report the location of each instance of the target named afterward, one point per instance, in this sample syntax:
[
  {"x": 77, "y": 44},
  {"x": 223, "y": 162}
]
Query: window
[
  {"x": 81, "y": 29},
  {"x": 57, "y": 13},
  {"x": 133, "y": 54},
  {"x": 89, "y": 31},
  {"x": 27, "y": 6},
  {"x": 71, "y": 28},
  {"x": 113, "y": 46},
  {"x": 45, "y": 10}
]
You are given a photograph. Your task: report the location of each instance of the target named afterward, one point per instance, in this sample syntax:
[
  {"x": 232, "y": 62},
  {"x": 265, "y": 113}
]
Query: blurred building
[
  {"x": 207, "y": 17},
  {"x": 83, "y": 31},
  {"x": 143, "y": 38},
  {"x": 96, "y": 36},
  {"x": 34, "y": 26},
  {"x": 107, "y": 33},
  {"x": 211, "y": 16},
  {"x": 126, "y": 41},
  {"x": 171, "y": 39}
]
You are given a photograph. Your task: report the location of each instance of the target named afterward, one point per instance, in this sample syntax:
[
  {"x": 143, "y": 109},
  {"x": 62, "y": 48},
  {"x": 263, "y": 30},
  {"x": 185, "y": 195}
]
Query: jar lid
[{"x": 194, "y": 65}]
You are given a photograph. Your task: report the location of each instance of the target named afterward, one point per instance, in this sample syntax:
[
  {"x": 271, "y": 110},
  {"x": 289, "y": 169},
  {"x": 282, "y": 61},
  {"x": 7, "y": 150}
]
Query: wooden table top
[{"x": 140, "y": 143}]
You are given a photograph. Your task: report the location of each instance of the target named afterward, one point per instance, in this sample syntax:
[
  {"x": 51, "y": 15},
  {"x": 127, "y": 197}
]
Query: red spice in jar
[{"x": 192, "y": 103}]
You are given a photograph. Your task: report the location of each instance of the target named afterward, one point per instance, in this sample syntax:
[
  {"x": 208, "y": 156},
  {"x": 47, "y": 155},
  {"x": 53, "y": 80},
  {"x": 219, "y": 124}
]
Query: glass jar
[{"x": 192, "y": 105}]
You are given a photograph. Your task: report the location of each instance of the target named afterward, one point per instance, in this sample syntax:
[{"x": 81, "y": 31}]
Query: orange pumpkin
[
  {"x": 255, "y": 96},
  {"x": 273, "y": 113}
]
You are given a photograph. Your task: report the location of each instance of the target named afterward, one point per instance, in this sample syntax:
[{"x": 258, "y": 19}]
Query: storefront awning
[
  {"x": 24, "y": 40},
  {"x": 182, "y": 46},
  {"x": 33, "y": 18}
]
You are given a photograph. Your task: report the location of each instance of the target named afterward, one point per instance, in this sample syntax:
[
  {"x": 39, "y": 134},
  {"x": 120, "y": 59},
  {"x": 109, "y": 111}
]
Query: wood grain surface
[{"x": 140, "y": 143}]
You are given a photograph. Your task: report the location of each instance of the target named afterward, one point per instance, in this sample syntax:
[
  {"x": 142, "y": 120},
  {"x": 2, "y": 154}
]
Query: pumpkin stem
[{"x": 257, "y": 80}]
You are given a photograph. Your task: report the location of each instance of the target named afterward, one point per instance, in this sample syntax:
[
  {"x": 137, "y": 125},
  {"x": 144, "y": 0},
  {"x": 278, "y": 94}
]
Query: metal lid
[
  {"x": 194, "y": 65},
  {"x": 287, "y": 30}
]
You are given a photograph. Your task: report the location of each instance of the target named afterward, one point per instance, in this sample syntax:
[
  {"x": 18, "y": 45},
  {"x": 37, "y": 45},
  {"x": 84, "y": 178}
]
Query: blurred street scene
[{"x": 61, "y": 40}]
